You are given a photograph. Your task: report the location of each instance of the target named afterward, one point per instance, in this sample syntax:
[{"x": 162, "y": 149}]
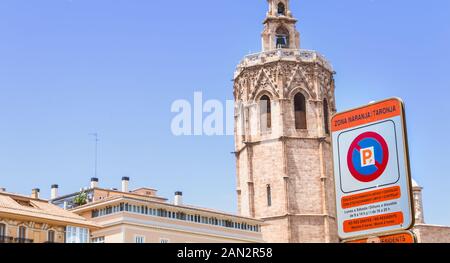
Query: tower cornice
[
  {"x": 279, "y": 19},
  {"x": 285, "y": 55}
]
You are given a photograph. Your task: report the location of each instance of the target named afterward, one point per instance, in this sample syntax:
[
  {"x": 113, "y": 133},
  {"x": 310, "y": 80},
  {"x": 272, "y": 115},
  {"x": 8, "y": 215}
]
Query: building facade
[
  {"x": 141, "y": 216},
  {"x": 29, "y": 219},
  {"x": 284, "y": 99}
]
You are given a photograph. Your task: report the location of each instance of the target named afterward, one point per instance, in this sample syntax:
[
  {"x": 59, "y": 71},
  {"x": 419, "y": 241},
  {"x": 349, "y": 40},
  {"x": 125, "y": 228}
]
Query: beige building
[
  {"x": 140, "y": 216},
  {"x": 284, "y": 98},
  {"x": 29, "y": 219}
]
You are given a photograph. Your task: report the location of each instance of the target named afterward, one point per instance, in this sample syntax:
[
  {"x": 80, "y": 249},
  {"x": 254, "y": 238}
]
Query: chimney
[
  {"x": 54, "y": 192},
  {"x": 2, "y": 189},
  {"x": 35, "y": 193},
  {"x": 178, "y": 198},
  {"x": 125, "y": 182},
  {"x": 94, "y": 182}
]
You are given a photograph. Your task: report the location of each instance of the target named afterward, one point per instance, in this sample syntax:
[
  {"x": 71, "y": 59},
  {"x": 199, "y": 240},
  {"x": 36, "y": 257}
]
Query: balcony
[
  {"x": 297, "y": 55},
  {"x": 6, "y": 239},
  {"x": 22, "y": 240}
]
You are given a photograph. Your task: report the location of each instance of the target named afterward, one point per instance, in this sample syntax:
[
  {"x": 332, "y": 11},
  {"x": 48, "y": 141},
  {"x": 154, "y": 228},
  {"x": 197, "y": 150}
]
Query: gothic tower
[{"x": 284, "y": 98}]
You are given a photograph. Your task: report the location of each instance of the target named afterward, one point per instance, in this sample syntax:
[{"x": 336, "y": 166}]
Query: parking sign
[{"x": 371, "y": 167}]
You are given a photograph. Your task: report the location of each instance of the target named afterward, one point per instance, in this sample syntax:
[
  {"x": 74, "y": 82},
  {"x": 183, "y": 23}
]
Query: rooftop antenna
[{"x": 96, "y": 140}]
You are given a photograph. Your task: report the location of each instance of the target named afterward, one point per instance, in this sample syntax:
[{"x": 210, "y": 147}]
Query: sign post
[{"x": 372, "y": 174}]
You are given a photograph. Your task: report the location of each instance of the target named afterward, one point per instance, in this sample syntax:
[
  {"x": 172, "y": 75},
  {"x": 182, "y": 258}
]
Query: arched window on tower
[
  {"x": 269, "y": 195},
  {"x": 300, "y": 111},
  {"x": 281, "y": 10},
  {"x": 326, "y": 117},
  {"x": 265, "y": 109},
  {"x": 282, "y": 38}
]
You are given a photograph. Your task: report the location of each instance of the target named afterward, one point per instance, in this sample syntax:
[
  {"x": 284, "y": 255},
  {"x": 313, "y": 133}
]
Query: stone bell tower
[{"x": 284, "y": 97}]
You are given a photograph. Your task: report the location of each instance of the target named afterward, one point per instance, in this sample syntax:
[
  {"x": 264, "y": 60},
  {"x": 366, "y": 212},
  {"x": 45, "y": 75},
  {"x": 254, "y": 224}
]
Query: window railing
[
  {"x": 22, "y": 240},
  {"x": 6, "y": 239}
]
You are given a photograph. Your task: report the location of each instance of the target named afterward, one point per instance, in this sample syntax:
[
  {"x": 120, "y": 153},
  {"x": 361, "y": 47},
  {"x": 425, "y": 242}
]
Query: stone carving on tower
[{"x": 284, "y": 98}]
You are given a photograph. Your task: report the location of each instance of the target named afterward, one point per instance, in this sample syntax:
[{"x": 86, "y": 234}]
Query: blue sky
[{"x": 72, "y": 67}]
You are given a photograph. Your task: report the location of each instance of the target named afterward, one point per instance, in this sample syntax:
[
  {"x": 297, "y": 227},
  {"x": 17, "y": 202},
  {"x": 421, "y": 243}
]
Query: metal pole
[{"x": 95, "y": 153}]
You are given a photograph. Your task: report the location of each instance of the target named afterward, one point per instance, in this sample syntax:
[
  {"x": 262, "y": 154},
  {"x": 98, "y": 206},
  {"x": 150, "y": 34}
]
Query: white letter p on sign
[{"x": 367, "y": 157}]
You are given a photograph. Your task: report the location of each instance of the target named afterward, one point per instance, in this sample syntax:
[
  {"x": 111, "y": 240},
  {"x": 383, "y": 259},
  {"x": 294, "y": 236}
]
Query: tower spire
[{"x": 279, "y": 27}]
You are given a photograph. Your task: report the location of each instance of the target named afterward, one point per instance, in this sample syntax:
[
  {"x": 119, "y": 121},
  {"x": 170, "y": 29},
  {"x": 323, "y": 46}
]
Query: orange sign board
[
  {"x": 372, "y": 222},
  {"x": 399, "y": 238},
  {"x": 371, "y": 197},
  {"x": 372, "y": 113},
  {"x": 371, "y": 169}
]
